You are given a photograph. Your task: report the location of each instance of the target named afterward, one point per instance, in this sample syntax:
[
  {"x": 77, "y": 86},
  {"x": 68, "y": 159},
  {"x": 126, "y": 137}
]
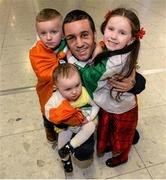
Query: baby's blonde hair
[{"x": 64, "y": 70}]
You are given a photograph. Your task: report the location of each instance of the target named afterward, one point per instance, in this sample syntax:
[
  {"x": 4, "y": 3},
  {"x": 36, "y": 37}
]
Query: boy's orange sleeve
[{"x": 43, "y": 61}]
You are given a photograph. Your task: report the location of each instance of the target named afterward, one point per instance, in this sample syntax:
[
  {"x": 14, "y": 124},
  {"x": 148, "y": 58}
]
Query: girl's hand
[{"x": 97, "y": 50}]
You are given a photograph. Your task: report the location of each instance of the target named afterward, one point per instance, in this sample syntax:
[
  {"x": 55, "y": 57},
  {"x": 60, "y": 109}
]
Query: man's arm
[
  {"x": 139, "y": 85},
  {"x": 135, "y": 83}
]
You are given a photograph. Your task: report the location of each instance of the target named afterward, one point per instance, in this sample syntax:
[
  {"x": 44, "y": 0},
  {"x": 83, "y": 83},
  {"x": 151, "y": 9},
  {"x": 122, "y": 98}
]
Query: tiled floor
[{"x": 24, "y": 152}]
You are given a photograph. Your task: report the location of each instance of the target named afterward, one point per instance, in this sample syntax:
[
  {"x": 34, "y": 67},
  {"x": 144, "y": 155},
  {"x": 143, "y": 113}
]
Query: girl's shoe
[
  {"x": 68, "y": 167},
  {"x": 115, "y": 161},
  {"x": 136, "y": 137}
]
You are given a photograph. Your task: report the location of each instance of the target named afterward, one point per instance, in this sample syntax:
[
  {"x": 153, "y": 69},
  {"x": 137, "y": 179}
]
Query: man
[{"x": 80, "y": 34}]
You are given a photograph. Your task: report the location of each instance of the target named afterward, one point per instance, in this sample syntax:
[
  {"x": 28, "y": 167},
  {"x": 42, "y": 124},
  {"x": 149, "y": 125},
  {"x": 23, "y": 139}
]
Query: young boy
[
  {"x": 70, "y": 105},
  {"x": 44, "y": 57}
]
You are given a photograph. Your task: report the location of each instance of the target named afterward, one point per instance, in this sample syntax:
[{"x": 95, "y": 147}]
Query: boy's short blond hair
[{"x": 47, "y": 14}]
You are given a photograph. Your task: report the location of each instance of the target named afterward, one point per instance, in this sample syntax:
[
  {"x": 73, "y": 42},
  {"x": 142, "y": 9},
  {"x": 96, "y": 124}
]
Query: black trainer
[
  {"x": 136, "y": 137},
  {"x": 115, "y": 161}
]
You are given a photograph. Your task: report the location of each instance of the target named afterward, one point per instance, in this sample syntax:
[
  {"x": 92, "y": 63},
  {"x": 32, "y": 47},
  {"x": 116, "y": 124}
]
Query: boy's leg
[{"x": 51, "y": 135}]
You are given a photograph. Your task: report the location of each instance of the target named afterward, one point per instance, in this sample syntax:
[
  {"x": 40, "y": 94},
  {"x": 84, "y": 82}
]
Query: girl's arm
[{"x": 98, "y": 49}]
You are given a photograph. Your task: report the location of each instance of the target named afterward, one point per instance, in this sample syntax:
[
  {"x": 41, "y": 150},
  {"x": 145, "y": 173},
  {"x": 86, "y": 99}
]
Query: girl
[{"x": 119, "y": 112}]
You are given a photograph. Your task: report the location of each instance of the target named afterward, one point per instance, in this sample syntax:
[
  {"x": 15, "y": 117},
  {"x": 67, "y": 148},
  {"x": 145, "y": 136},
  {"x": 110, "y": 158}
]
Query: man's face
[{"x": 80, "y": 39}]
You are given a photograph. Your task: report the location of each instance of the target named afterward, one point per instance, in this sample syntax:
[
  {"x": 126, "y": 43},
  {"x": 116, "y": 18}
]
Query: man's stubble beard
[{"x": 90, "y": 55}]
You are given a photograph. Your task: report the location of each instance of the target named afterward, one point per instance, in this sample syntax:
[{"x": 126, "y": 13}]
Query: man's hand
[{"x": 123, "y": 85}]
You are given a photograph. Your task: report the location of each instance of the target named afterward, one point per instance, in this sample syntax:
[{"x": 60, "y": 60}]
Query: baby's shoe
[
  {"x": 67, "y": 164},
  {"x": 65, "y": 150}
]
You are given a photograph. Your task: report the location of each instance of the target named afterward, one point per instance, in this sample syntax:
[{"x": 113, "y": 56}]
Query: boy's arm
[
  {"x": 44, "y": 61},
  {"x": 42, "y": 66}
]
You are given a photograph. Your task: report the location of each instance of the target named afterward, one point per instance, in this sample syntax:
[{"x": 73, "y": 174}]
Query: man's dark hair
[{"x": 77, "y": 15}]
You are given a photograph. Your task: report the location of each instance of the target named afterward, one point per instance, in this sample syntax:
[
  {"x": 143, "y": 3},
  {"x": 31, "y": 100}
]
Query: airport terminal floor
[{"x": 24, "y": 151}]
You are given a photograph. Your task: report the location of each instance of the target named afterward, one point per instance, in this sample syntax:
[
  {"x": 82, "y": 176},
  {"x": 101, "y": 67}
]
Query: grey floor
[{"x": 24, "y": 151}]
